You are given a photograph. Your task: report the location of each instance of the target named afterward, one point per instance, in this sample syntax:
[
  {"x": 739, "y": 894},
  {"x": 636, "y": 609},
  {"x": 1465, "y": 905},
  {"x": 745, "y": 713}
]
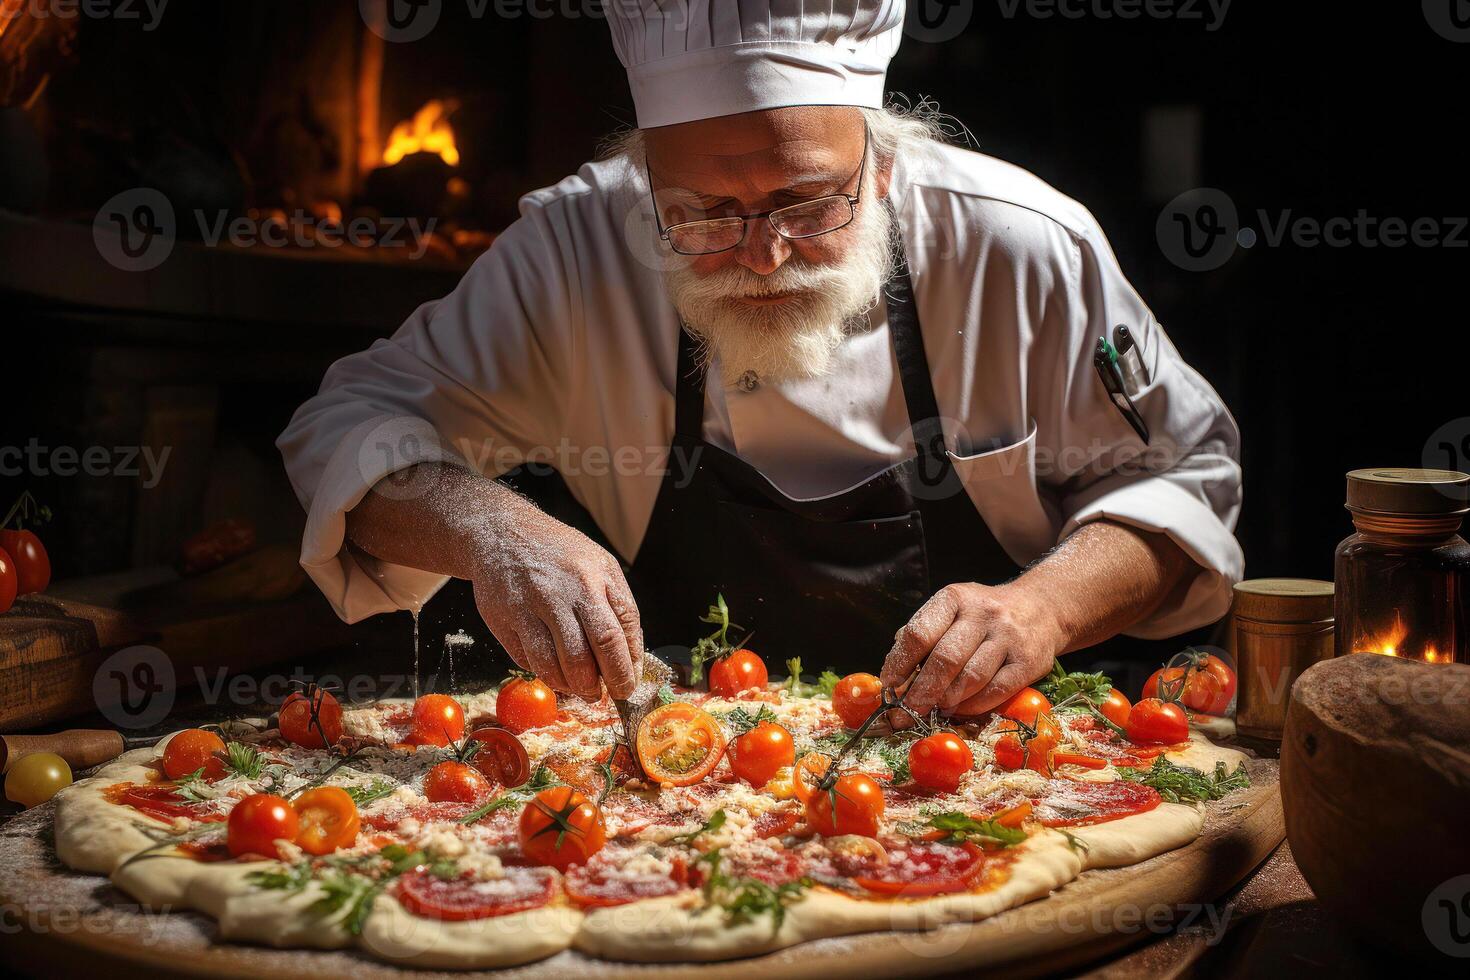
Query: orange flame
[
  {"x": 1389, "y": 645},
  {"x": 427, "y": 132}
]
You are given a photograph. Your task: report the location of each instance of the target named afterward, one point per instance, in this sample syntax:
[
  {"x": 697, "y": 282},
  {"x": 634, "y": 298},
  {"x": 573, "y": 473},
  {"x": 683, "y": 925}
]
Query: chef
[{"x": 786, "y": 344}]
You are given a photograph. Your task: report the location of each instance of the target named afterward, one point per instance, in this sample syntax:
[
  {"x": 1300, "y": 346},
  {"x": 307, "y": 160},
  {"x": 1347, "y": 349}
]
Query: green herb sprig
[
  {"x": 961, "y": 828},
  {"x": 746, "y": 898},
  {"x": 1185, "y": 784},
  {"x": 715, "y": 822}
]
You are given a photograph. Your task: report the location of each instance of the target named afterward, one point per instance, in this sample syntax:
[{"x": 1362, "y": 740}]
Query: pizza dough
[{"x": 96, "y": 835}]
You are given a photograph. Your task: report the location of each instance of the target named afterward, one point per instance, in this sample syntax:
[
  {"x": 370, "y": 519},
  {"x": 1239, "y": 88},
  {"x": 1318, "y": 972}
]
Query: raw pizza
[{"x": 502, "y": 827}]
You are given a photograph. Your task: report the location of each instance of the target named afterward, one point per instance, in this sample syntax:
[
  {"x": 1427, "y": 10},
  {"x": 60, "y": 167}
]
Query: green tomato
[{"x": 35, "y": 778}]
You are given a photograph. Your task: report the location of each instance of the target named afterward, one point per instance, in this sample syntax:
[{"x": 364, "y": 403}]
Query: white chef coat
[{"x": 560, "y": 344}]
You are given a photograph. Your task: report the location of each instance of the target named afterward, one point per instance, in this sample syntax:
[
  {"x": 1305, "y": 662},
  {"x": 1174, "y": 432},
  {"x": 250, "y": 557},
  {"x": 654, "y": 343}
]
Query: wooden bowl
[{"x": 1375, "y": 782}]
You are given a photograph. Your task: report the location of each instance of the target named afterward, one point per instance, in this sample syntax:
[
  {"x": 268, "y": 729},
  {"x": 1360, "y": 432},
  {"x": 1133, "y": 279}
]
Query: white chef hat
[{"x": 699, "y": 59}]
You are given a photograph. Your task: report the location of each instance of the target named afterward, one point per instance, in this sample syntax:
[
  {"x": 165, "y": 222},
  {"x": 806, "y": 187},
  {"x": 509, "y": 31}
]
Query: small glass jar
[{"x": 1403, "y": 580}]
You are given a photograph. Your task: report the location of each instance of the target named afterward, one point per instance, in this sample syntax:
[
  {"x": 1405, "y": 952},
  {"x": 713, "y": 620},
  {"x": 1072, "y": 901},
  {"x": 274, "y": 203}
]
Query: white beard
[{"x": 797, "y": 338}]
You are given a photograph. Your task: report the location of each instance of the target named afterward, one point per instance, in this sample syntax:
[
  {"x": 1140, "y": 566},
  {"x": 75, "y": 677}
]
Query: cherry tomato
[
  {"x": 327, "y": 818},
  {"x": 940, "y": 761},
  {"x": 500, "y": 757},
  {"x": 1024, "y": 706},
  {"x": 740, "y": 671},
  {"x": 1205, "y": 685},
  {"x": 1155, "y": 722},
  {"x": 856, "y": 697},
  {"x": 9, "y": 581},
  {"x": 455, "y": 782},
  {"x": 679, "y": 744},
  {"x": 297, "y": 725},
  {"x": 191, "y": 750},
  {"x": 35, "y": 778},
  {"x": 1015, "y": 750},
  {"x": 258, "y": 821},
  {"x": 32, "y": 564},
  {"x": 852, "y": 806},
  {"x": 523, "y": 704},
  {"x": 1115, "y": 707},
  {"x": 757, "y": 755},
  {"x": 437, "y": 720},
  {"x": 560, "y": 828}
]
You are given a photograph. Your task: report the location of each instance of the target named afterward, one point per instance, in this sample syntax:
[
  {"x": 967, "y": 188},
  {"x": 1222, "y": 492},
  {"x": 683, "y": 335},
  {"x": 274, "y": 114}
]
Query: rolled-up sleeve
[
  {"x": 471, "y": 379},
  {"x": 1185, "y": 483}
]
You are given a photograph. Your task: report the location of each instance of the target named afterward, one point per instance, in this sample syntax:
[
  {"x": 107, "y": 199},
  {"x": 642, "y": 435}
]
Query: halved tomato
[
  {"x": 679, "y": 744},
  {"x": 500, "y": 757},
  {"x": 460, "y": 899},
  {"x": 327, "y": 820},
  {"x": 809, "y": 771}
]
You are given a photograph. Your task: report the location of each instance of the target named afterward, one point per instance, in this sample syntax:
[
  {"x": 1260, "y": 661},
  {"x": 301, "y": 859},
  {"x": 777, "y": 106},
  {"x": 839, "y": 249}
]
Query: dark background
[{"x": 1331, "y": 358}]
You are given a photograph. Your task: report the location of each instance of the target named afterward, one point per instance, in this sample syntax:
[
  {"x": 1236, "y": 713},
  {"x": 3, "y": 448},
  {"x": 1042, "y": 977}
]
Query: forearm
[
  {"x": 436, "y": 517},
  {"x": 1101, "y": 580}
]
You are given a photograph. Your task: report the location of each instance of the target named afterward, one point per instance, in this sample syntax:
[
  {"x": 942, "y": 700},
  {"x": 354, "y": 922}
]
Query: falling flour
[{"x": 453, "y": 641}]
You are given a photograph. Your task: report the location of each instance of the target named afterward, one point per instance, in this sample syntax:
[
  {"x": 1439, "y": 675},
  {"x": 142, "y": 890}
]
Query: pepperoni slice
[
  {"x": 786, "y": 866},
  {"x": 1069, "y": 803},
  {"x": 459, "y": 899},
  {"x": 397, "y": 722},
  {"x": 774, "y": 823},
  {"x": 604, "y": 883},
  {"x": 163, "y": 802},
  {"x": 926, "y": 869},
  {"x": 389, "y": 817}
]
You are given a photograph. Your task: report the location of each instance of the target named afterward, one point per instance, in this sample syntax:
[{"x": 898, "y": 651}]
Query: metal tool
[{"x": 631, "y": 710}]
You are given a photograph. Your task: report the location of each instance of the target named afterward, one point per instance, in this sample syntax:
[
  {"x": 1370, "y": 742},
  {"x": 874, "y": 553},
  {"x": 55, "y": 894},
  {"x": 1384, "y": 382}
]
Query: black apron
[{"x": 829, "y": 580}]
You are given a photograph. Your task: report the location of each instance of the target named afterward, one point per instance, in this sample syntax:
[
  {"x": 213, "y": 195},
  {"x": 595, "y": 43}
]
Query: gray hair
[{"x": 901, "y": 127}]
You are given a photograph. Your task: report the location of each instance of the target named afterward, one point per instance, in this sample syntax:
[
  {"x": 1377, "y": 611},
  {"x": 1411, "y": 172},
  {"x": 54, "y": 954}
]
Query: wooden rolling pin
[{"x": 82, "y": 748}]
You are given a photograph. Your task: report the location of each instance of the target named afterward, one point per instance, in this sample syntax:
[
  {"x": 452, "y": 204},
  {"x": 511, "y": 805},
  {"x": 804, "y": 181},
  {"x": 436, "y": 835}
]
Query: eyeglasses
[{"x": 808, "y": 219}]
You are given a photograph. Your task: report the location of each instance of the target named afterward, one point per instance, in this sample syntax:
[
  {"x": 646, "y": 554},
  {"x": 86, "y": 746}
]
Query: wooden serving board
[{"x": 74, "y": 923}]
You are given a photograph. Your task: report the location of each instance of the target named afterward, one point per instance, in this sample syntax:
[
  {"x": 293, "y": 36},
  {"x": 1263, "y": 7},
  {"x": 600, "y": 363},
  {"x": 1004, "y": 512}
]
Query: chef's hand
[
  {"x": 983, "y": 644},
  {"x": 560, "y": 605}
]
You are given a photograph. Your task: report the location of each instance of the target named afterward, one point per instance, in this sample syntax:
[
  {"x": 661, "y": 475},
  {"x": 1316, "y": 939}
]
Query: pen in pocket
[
  {"x": 1105, "y": 361},
  {"x": 1130, "y": 360}
]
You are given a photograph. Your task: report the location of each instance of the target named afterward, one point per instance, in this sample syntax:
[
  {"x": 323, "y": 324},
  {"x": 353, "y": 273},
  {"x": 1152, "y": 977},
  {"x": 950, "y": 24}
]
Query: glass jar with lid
[{"x": 1403, "y": 580}]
